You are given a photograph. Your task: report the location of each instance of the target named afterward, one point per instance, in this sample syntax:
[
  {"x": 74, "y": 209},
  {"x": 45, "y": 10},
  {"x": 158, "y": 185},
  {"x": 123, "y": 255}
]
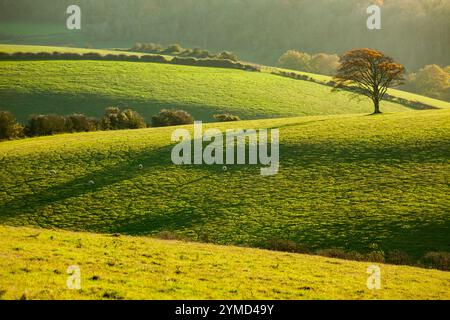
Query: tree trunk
[{"x": 376, "y": 103}]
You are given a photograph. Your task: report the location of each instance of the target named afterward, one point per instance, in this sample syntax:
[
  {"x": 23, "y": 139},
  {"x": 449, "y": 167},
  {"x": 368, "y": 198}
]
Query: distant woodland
[{"x": 415, "y": 32}]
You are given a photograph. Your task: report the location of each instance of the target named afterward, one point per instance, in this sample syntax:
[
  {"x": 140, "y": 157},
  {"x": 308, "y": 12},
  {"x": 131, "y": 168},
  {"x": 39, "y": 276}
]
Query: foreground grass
[
  {"x": 345, "y": 181},
  {"x": 34, "y": 264}
]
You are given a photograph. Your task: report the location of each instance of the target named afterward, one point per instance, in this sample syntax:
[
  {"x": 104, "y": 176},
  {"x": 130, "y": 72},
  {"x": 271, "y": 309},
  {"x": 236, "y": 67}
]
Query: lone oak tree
[{"x": 368, "y": 72}]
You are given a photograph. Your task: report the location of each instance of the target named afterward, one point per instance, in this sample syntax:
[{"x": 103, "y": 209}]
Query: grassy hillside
[
  {"x": 30, "y": 87},
  {"x": 34, "y": 264},
  {"x": 90, "y": 86},
  {"x": 344, "y": 181}
]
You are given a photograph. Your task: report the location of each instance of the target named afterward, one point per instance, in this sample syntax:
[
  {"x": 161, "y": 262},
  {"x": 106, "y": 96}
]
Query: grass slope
[
  {"x": 345, "y": 181},
  {"x": 34, "y": 264},
  {"x": 30, "y": 87}
]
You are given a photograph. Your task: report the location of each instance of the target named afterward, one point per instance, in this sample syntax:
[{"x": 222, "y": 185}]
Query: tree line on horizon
[{"x": 413, "y": 31}]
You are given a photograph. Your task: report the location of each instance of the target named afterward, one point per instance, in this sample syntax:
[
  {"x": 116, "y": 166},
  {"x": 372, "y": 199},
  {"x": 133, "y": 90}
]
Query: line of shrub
[
  {"x": 167, "y": 118},
  {"x": 226, "y": 117},
  {"x": 437, "y": 260},
  {"x": 177, "y": 50},
  {"x": 189, "y": 61},
  {"x": 113, "y": 119},
  {"x": 49, "y": 124}
]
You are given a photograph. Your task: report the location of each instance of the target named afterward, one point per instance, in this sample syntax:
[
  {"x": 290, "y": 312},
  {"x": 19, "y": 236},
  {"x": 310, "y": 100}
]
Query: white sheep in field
[{"x": 91, "y": 182}]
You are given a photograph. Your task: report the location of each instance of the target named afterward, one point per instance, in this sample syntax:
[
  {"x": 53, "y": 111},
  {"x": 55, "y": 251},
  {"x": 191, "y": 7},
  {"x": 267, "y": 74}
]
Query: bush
[
  {"x": 133, "y": 57},
  {"x": 338, "y": 253},
  {"x": 375, "y": 256},
  {"x": 22, "y": 56},
  {"x": 226, "y": 117},
  {"x": 152, "y": 48},
  {"x": 130, "y": 119},
  {"x": 111, "y": 119},
  {"x": 320, "y": 63},
  {"x": 438, "y": 260},
  {"x": 4, "y": 56},
  {"x": 67, "y": 56},
  {"x": 80, "y": 123},
  {"x": 185, "y": 61},
  {"x": 115, "y": 119},
  {"x": 171, "y": 118},
  {"x": 154, "y": 58},
  {"x": 92, "y": 56},
  {"x": 173, "y": 49},
  {"x": 42, "y": 125},
  {"x": 432, "y": 81},
  {"x": 323, "y": 63},
  {"x": 228, "y": 56},
  {"x": 217, "y": 63},
  {"x": 200, "y": 53},
  {"x": 398, "y": 257},
  {"x": 137, "y": 47},
  {"x": 252, "y": 67},
  {"x": 295, "y": 60},
  {"x": 285, "y": 246},
  {"x": 9, "y": 127},
  {"x": 186, "y": 53},
  {"x": 43, "y": 55}
]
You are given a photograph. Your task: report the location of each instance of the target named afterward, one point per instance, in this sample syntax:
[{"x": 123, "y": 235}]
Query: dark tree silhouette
[{"x": 369, "y": 72}]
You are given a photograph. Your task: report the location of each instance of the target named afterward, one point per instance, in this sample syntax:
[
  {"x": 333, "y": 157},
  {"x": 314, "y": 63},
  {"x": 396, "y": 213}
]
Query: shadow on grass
[{"x": 303, "y": 154}]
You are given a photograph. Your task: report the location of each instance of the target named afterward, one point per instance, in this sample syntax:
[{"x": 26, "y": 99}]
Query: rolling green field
[
  {"x": 345, "y": 181},
  {"x": 64, "y": 87},
  {"x": 34, "y": 264},
  {"x": 89, "y": 87}
]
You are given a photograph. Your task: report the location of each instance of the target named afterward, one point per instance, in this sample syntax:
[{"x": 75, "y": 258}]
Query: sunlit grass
[
  {"x": 34, "y": 264},
  {"x": 344, "y": 181}
]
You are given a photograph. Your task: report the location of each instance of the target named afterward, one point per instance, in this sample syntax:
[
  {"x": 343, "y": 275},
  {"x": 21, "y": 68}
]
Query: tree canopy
[{"x": 369, "y": 72}]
